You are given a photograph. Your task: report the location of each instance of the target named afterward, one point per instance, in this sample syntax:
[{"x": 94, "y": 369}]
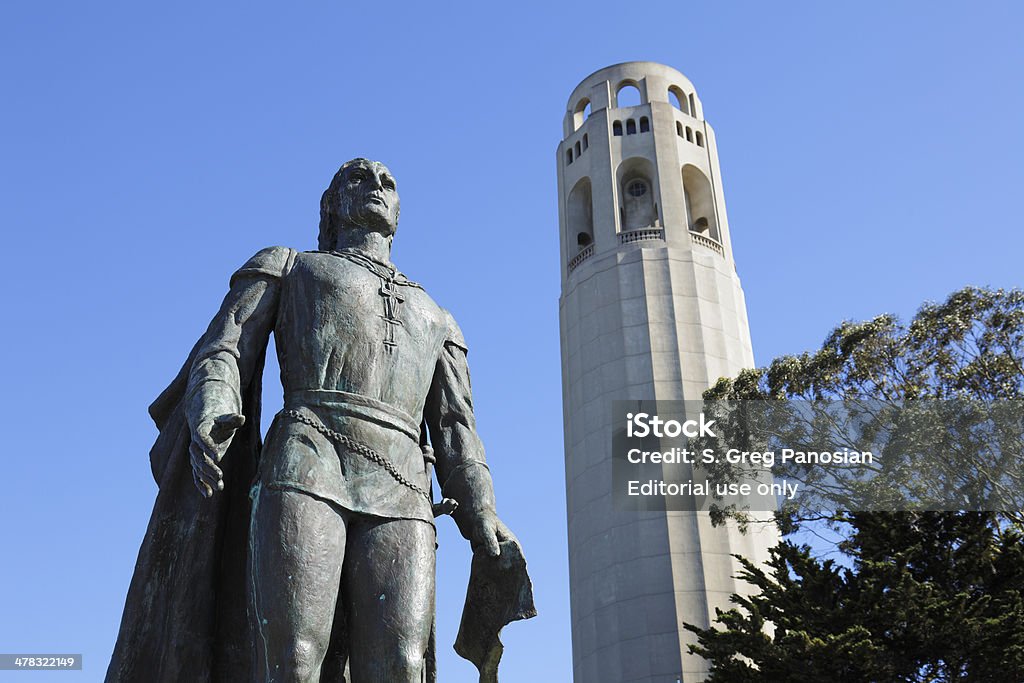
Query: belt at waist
[{"x": 355, "y": 405}]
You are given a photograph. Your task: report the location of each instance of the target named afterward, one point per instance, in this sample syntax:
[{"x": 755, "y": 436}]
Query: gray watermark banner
[
  {"x": 40, "y": 662},
  {"x": 818, "y": 457}
]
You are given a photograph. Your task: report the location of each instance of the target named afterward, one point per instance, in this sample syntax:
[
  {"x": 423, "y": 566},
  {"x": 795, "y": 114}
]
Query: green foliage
[
  {"x": 929, "y": 597},
  {"x": 917, "y": 596},
  {"x": 941, "y": 400},
  {"x": 970, "y": 346}
]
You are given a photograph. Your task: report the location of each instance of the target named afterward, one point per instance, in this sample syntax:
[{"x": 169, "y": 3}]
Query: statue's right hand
[{"x": 210, "y": 441}]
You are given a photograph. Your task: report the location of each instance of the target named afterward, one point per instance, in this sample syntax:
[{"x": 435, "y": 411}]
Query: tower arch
[
  {"x": 580, "y": 217},
  {"x": 678, "y": 99},
  {"x": 580, "y": 113},
  {"x": 699, "y": 198},
  {"x": 627, "y": 94},
  {"x": 635, "y": 186}
]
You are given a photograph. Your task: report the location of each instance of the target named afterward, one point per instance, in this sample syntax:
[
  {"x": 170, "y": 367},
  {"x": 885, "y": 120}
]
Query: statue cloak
[{"x": 185, "y": 615}]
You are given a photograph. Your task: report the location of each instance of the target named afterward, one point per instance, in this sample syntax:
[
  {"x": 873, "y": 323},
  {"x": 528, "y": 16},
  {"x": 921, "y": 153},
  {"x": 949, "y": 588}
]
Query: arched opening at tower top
[
  {"x": 701, "y": 216},
  {"x": 579, "y": 213},
  {"x": 581, "y": 113},
  {"x": 678, "y": 99},
  {"x": 628, "y": 95},
  {"x": 638, "y": 205}
]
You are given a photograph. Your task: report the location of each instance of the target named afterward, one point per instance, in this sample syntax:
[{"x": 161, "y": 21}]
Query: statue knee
[
  {"x": 298, "y": 662},
  {"x": 407, "y": 665}
]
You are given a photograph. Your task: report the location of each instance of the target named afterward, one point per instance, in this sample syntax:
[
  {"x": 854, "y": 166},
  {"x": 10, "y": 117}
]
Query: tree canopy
[
  {"x": 913, "y": 596},
  {"x": 941, "y": 398},
  {"x": 970, "y": 346}
]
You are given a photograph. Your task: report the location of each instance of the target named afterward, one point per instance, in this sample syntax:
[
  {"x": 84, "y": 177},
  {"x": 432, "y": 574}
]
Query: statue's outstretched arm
[
  {"x": 461, "y": 465},
  {"x": 224, "y": 364}
]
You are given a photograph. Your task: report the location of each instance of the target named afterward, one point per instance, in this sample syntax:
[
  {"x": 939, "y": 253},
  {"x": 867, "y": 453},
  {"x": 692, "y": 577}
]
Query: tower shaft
[{"x": 651, "y": 308}]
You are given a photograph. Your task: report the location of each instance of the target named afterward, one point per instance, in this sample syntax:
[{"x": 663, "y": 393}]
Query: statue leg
[
  {"x": 388, "y": 588},
  {"x": 296, "y": 551}
]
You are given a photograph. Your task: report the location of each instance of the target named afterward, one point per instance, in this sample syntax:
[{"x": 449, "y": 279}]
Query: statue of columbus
[{"x": 311, "y": 557}]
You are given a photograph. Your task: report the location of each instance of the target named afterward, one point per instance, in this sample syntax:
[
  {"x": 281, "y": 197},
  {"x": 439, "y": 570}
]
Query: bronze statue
[{"x": 311, "y": 557}]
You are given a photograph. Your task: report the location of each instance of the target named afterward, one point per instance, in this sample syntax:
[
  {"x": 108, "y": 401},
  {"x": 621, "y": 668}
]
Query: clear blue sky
[{"x": 871, "y": 156}]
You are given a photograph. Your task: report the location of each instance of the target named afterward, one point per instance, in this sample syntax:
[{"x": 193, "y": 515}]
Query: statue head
[{"x": 362, "y": 196}]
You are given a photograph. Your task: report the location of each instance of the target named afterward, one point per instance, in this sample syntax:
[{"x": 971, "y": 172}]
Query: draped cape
[{"x": 185, "y": 615}]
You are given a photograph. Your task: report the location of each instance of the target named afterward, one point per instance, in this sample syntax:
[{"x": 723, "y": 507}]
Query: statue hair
[{"x": 329, "y": 227}]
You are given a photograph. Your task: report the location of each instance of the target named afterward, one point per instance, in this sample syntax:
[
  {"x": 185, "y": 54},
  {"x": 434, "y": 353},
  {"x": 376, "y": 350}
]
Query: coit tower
[{"x": 651, "y": 309}]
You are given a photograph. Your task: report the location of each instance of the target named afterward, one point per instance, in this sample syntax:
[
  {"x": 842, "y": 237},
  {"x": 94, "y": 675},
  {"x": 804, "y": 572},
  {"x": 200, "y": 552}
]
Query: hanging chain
[{"x": 365, "y": 451}]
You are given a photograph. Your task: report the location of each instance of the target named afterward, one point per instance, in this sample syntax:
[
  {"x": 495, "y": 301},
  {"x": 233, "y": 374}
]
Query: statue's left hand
[{"x": 486, "y": 532}]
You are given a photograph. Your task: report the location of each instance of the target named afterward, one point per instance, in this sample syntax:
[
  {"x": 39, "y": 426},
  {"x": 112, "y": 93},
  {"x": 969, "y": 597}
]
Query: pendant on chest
[
  {"x": 393, "y": 301},
  {"x": 390, "y": 291}
]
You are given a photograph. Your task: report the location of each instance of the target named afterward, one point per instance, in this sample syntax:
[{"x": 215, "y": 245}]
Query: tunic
[{"x": 363, "y": 352}]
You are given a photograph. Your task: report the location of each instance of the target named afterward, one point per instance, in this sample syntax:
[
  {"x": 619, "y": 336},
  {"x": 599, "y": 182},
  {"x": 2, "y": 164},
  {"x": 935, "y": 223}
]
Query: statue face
[{"x": 368, "y": 197}]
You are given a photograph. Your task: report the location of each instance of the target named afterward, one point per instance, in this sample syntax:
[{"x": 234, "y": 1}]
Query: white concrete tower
[{"x": 651, "y": 308}]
